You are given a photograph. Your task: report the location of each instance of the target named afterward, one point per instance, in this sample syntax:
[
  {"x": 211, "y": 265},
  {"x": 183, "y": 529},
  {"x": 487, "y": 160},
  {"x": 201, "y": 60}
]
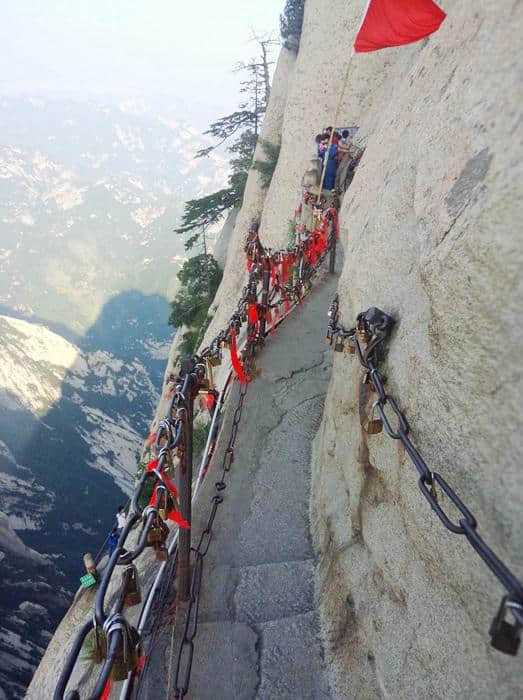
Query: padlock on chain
[
  {"x": 338, "y": 345},
  {"x": 362, "y": 336},
  {"x": 328, "y": 339},
  {"x": 214, "y": 360},
  {"x": 351, "y": 348},
  {"x": 126, "y": 657},
  {"x": 133, "y": 594},
  {"x": 154, "y": 535},
  {"x": 504, "y": 636},
  {"x": 374, "y": 425},
  {"x": 95, "y": 645},
  {"x": 160, "y": 548}
]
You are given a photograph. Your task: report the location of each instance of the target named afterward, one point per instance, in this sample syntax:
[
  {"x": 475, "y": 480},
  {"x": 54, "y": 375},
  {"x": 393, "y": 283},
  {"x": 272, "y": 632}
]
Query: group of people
[{"x": 339, "y": 144}]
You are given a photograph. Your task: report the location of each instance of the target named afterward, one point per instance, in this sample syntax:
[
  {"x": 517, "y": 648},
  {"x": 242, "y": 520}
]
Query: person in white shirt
[{"x": 120, "y": 520}]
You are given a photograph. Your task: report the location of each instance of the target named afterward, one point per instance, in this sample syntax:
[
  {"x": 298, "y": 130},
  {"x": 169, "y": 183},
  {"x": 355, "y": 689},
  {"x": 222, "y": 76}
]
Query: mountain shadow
[{"x": 65, "y": 473}]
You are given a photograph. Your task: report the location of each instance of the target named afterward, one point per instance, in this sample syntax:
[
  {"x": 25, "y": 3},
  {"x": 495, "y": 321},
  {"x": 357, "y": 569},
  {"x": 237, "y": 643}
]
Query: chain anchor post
[
  {"x": 332, "y": 254},
  {"x": 266, "y": 276},
  {"x": 185, "y": 492}
]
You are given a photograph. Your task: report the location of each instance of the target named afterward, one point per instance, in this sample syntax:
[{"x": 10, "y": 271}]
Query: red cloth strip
[
  {"x": 176, "y": 517},
  {"x": 274, "y": 272},
  {"x": 236, "y": 364},
  {"x": 171, "y": 487},
  {"x": 252, "y": 313},
  {"x": 151, "y": 438}
]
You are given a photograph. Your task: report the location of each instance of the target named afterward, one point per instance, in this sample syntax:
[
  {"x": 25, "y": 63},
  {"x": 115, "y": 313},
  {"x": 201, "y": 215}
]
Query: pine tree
[
  {"x": 243, "y": 124},
  {"x": 291, "y": 21}
]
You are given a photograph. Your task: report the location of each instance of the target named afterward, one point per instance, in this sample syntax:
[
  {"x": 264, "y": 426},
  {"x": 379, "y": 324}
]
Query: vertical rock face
[
  {"x": 253, "y": 200},
  {"x": 429, "y": 235},
  {"x": 428, "y": 227}
]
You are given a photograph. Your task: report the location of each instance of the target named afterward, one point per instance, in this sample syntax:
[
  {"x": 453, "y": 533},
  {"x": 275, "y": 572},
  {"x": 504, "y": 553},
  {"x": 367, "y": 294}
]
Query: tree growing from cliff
[
  {"x": 244, "y": 126},
  {"x": 200, "y": 277},
  {"x": 291, "y": 22}
]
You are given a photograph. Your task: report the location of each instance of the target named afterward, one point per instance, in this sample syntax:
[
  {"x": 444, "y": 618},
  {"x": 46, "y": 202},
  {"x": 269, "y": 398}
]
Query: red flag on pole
[{"x": 397, "y": 22}]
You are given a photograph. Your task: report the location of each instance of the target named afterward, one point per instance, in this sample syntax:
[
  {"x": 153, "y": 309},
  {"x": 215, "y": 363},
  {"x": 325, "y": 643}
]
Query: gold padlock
[
  {"x": 161, "y": 552},
  {"x": 214, "y": 360},
  {"x": 95, "y": 646},
  {"x": 154, "y": 535},
  {"x": 327, "y": 340},
  {"x": 338, "y": 345},
  {"x": 123, "y": 664},
  {"x": 374, "y": 426},
  {"x": 362, "y": 335},
  {"x": 351, "y": 348},
  {"x": 133, "y": 595}
]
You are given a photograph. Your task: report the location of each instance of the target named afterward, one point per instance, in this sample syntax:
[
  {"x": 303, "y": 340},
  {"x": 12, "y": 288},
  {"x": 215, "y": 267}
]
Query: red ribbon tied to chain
[
  {"x": 285, "y": 265},
  {"x": 252, "y": 313},
  {"x": 274, "y": 272},
  {"x": 236, "y": 364},
  {"x": 173, "y": 514},
  {"x": 150, "y": 439}
]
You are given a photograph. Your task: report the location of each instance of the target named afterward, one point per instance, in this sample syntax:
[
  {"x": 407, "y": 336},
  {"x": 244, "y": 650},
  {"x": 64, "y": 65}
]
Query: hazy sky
[{"x": 167, "y": 48}]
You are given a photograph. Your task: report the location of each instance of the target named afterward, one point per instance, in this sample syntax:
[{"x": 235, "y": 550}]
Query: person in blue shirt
[
  {"x": 332, "y": 166},
  {"x": 112, "y": 541}
]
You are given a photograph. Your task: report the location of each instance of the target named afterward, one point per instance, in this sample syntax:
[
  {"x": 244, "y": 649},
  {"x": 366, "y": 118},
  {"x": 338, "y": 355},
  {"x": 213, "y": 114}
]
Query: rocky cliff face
[
  {"x": 427, "y": 227},
  {"x": 428, "y": 235},
  {"x": 428, "y": 231}
]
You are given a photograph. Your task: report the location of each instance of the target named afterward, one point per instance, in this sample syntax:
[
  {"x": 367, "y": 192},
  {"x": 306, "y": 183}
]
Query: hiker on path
[
  {"x": 332, "y": 166},
  {"x": 112, "y": 541},
  {"x": 120, "y": 520}
]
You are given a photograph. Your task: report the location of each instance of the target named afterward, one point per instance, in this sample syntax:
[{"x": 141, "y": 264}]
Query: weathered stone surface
[
  {"x": 429, "y": 230},
  {"x": 224, "y": 238},
  {"x": 257, "y": 617}
]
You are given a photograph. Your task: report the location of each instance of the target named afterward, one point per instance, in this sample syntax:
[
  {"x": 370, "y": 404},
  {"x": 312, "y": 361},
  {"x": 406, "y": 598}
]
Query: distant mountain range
[
  {"x": 90, "y": 194},
  {"x": 89, "y": 197}
]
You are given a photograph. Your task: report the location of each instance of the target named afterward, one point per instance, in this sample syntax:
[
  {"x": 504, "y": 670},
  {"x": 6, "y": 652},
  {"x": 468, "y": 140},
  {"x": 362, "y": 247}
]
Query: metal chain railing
[
  {"x": 365, "y": 340},
  {"x": 284, "y": 275},
  {"x": 186, "y": 649}
]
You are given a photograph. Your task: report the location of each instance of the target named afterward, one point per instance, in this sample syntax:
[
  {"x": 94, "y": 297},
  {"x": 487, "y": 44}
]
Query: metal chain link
[
  {"x": 366, "y": 340},
  {"x": 186, "y": 650}
]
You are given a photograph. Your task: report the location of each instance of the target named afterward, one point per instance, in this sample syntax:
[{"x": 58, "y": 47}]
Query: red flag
[{"x": 397, "y": 22}]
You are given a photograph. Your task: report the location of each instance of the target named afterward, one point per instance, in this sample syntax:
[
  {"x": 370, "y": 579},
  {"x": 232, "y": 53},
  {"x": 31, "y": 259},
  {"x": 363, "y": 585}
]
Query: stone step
[{"x": 258, "y": 593}]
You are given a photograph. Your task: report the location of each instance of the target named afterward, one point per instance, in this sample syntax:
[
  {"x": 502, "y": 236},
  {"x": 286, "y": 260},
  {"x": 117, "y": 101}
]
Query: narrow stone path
[{"x": 258, "y": 630}]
